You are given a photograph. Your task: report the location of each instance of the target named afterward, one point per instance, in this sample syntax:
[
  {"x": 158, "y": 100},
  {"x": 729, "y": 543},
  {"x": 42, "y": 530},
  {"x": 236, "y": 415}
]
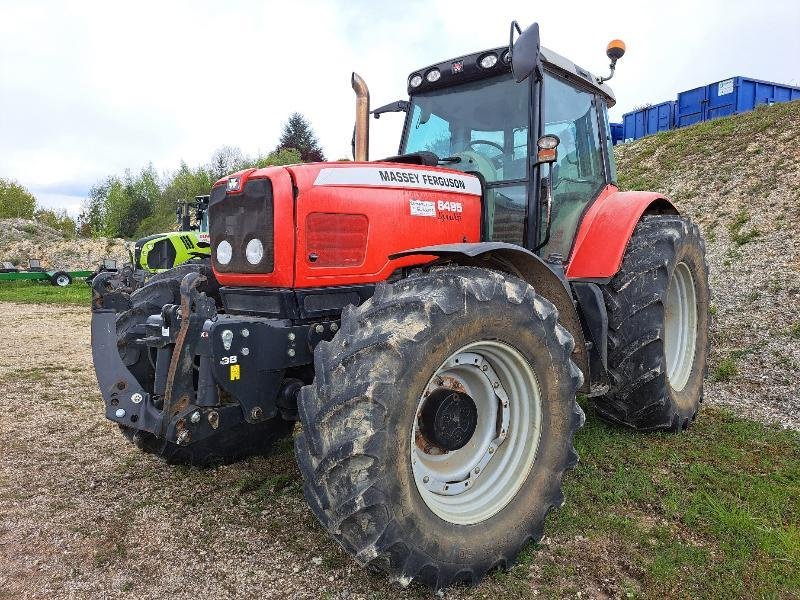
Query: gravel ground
[{"x": 84, "y": 514}]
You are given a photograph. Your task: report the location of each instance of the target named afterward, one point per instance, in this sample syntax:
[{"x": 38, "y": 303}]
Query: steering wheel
[{"x": 496, "y": 160}]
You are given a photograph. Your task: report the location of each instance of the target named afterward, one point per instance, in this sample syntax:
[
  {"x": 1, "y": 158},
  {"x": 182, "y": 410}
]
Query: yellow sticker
[{"x": 235, "y": 372}]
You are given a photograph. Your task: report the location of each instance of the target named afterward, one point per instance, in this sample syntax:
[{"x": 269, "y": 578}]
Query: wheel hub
[{"x": 448, "y": 419}]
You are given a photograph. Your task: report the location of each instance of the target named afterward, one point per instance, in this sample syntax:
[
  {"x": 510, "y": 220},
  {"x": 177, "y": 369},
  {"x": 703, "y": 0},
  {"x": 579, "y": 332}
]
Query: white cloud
[{"x": 89, "y": 89}]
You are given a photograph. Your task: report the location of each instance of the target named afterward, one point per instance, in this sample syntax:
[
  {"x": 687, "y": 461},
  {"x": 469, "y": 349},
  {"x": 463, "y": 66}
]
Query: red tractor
[{"x": 428, "y": 318}]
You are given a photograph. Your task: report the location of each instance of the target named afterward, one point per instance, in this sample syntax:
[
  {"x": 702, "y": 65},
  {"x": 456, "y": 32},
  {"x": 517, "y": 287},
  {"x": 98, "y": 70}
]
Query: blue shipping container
[
  {"x": 729, "y": 97},
  {"x": 633, "y": 125},
  {"x": 648, "y": 120},
  {"x": 616, "y": 133}
]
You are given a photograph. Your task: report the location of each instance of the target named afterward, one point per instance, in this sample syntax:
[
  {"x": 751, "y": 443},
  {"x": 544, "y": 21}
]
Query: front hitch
[
  {"x": 195, "y": 309},
  {"x": 127, "y": 402}
]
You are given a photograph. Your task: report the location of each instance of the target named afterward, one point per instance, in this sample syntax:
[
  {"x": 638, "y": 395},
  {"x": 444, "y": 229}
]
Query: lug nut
[
  {"x": 319, "y": 328},
  {"x": 491, "y": 449},
  {"x": 120, "y": 413},
  {"x": 136, "y": 398},
  {"x": 183, "y": 437},
  {"x": 245, "y": 332},
  {"x": 496, "y": 384},
  {"x": 291, "y": 352},
  {"x": 477, "y": 470},
  {"x": 291, "y": 337},
  {"x": 195, "y": 418},
  {"x": 334, "y": 327},
  {"x": 245, "y": 351},
  {"x": 426, "y": 479},
  {"x": 256, "y": 413},
  {"x": 485, "y": 368}
]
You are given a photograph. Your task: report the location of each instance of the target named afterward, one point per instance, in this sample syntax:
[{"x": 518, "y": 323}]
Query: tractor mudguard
[
  {"x": 606, "y": 229},
  {"x": 516, "y": 260}
]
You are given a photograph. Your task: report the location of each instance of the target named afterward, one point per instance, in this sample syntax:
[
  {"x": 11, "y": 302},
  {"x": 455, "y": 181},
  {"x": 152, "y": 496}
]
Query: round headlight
[
  {"x": 254, "y": 251},
  {"x": 433, "y": 75},
  {"x": 224, "y": 252},
  {"x": 488, "y": 61},
  {"x": 415, "y": 81}
]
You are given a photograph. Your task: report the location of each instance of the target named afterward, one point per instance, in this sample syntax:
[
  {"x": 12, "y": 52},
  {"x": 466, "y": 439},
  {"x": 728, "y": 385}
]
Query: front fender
[
  {"x": 606, "y": 230},
  {"x": 524, "y": 264}
]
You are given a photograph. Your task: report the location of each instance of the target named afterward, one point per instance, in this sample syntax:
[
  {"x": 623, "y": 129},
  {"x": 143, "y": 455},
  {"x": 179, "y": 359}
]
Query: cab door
[{"x": 573, "y": 113}]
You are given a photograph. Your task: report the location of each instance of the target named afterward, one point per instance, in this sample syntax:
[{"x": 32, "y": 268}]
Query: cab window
[
  {"x": 481, "y": 126},
  {"x": 579, "y": 174}
]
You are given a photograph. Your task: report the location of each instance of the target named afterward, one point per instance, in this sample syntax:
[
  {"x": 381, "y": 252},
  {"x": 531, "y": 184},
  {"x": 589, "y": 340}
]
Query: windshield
[
  {"x": 204, "y": 222},
  {"x": 483, "y": 123}
]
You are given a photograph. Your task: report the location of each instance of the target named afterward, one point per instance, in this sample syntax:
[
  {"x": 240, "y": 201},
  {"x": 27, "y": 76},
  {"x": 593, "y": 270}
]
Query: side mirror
[
  {"x": 547, "y": 149},
  {"x": 524, "y": 52}
]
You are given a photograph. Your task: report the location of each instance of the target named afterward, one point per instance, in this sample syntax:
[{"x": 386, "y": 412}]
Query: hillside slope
[
  {"x": 21, "y": 239},
  {"x": 739, "y": 179}
]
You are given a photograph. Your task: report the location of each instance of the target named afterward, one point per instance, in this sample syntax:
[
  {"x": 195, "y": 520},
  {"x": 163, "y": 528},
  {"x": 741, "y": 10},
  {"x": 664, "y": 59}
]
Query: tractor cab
[{"x": 475, "y": 117}]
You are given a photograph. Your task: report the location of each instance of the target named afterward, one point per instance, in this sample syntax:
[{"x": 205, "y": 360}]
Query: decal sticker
[
  {"x": 228, "y": 360},
  {"x": 446, "y": 206},
  {"x": 725, "y": 87},
  {"x": 422, "y": 208},
  {"x": 236, "y": 372},
  {"x": 400, "y": 178}
]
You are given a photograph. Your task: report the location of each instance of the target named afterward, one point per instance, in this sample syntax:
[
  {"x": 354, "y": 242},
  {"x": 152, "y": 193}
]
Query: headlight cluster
[{"x": 254, "y": 252}]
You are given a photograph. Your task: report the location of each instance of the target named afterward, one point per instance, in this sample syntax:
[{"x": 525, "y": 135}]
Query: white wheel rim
[
  {"x": 475, "y": 482},
  {"x": 62, "y": 280},
  {"x": 680, "y": 327}
]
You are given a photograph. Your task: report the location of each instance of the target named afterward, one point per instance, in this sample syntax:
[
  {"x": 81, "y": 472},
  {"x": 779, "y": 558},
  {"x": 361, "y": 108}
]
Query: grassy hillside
[{"x": 739, "y": 178}]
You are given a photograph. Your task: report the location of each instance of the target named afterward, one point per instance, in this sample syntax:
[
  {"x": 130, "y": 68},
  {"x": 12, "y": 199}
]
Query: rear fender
[
  {"x": 522, "y": 263},
  {"x": 606, "y": 230}
]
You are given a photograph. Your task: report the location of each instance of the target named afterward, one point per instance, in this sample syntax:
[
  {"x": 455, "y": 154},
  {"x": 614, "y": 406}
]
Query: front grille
[{"x": 238, "y": 218}]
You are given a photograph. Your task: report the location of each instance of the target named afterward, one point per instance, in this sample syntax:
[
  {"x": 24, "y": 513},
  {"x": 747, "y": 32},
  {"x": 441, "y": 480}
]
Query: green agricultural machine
[
  {"x": 163, "y": 251},
  {"x": 36, "y": 272}
]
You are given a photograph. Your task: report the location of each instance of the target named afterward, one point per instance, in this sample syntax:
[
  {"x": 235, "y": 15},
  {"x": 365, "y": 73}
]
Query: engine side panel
[
  {"x": 606, "y": 230},
  {"x": 405, "y": 207}
]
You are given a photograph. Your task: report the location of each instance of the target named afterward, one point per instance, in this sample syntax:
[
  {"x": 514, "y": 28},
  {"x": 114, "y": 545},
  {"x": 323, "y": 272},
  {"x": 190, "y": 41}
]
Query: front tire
[
  {"x": 361, "y": 419},
  {"x": 658, "y": 327}
]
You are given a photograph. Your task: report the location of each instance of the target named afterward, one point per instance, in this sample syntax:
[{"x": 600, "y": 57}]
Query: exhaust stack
[{"x": 361, "y": 133}]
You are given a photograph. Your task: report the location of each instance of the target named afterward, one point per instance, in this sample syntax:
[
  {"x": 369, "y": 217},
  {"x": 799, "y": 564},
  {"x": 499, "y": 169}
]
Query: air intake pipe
[{"x": 361, "y": 132}]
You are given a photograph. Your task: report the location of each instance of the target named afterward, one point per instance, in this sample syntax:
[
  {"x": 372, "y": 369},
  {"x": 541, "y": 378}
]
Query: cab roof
[{"x": 467, "y": 68}]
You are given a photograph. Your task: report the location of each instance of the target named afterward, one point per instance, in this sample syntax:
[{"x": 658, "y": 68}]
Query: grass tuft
[
  {"x": 725, "y": 370},
  {"x": 38, "y": 292}
]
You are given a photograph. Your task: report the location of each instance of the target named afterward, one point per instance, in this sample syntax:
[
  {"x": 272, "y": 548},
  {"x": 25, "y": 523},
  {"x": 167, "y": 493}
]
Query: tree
[
  {"x": 15, "y": 201},
  {"x": 227, "y": 160},
  {"x": 297, "y": 134}
]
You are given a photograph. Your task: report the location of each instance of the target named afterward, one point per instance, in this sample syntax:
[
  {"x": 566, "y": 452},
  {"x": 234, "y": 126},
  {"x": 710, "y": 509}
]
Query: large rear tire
[
  {"x": 229, "y": 445},
  {"x": 658, "y": 327},
  {"x": 457, "y": 378}
]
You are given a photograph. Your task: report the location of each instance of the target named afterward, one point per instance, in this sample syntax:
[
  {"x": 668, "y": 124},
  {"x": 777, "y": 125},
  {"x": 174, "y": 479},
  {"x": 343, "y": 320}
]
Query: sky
[{"x": 90, "y": 89}]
